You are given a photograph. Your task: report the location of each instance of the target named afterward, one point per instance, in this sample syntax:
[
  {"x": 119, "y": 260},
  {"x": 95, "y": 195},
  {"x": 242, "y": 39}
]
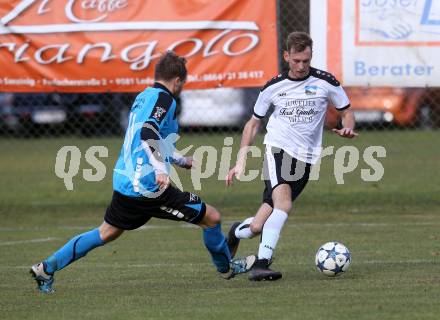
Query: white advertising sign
[{"x": 378, "y": 42}]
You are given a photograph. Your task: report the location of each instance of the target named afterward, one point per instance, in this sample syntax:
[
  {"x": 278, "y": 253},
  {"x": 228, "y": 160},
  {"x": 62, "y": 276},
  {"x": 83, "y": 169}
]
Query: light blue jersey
[{"x": 154, "y": 110}]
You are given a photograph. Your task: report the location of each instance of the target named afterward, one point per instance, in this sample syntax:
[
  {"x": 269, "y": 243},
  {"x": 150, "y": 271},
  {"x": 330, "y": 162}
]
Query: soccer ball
[{"x": 333, "y": 259}]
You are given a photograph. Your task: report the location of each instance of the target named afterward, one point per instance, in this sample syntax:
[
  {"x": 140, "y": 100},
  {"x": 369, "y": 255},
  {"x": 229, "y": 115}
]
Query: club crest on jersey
[
  {"x": 311, "y": 90},
  {"x": 158, "y": 113}
]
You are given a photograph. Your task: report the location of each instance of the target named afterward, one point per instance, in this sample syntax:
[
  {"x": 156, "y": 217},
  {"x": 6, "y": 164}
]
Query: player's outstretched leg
[
  {"x": 43, "y": 279},
  {"x": 74, "y": 249},
  {"x": 217, "y": 246}
]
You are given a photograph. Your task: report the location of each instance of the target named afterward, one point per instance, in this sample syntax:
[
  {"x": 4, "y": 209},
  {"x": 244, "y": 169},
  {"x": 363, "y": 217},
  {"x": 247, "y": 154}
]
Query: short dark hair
[
  {"x": 169, "y": 66},
  {"x": 299, "y": 41}
]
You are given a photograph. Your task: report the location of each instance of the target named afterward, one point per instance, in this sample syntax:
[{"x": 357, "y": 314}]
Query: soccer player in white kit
[{"x": 293, "y": 143}]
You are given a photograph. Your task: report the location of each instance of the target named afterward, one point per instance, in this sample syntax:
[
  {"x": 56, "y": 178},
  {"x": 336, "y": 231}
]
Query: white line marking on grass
[
  {"x": 186, "y": 225},
  {"x": 13, "y": 243},
  {"x": 227, "y": 224},
  {"x": 116, "y": 266},
  {"x": 149, "y": 265},
  {"x": 363, "y": 224},
  {"x": 85, "y": 228}
]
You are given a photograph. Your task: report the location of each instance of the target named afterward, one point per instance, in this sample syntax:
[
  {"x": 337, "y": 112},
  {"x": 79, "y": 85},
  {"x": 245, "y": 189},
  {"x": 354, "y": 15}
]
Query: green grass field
[{"x": 162, "y": 271}]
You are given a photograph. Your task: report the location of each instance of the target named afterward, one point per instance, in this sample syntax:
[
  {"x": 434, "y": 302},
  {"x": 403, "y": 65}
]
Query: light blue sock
[
  {"x": 74, "y": 249},
  {"x": 216, "y": 244}
]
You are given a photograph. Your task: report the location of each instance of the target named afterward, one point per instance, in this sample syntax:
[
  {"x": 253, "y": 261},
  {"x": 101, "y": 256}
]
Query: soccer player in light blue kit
[{"x": 141, "y": 183}]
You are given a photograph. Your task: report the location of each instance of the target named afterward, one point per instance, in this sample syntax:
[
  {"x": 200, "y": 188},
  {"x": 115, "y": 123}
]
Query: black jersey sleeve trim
[
  {"x": 326, "y": 76},
  {"x": 161, "y": 108},
  {"x": 149, "y": 132},
  {"x": 258, "y": 116},
  {"x": 274, "y": 80},
  {"x": 343, "y": 108}
]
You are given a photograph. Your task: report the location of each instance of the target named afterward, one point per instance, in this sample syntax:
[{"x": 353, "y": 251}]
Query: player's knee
[
  {"x": 284, "y": 205},
  {"x": 108, "y": 236},
  {"x": 109, "y": 233},
  {"x": 212, "y": 217}
]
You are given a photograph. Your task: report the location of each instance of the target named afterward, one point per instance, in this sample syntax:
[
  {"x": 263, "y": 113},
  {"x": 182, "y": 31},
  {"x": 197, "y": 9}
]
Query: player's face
[{"x": 299, "y": 62}]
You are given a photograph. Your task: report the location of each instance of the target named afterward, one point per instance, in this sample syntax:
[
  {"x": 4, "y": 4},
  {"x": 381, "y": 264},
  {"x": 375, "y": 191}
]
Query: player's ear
[
  {"x": 176, "y": 82},
  {"x": 179, "y": 81},
  {"x": 286, "y": 55},
  {"x": 177, "y": 85}
]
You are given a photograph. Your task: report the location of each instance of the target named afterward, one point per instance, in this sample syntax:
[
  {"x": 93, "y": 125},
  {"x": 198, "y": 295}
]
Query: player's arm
[
  {"x": 339, "y": 99},
  {"x": 247, "y": 139},
  {"x": 151, "y": 138},
  {"x": 151, "y": 141},
  {"x": 348, "y": 123},
  {"x": 181, "y": 161},
  {"x": 249, "y": 133}
]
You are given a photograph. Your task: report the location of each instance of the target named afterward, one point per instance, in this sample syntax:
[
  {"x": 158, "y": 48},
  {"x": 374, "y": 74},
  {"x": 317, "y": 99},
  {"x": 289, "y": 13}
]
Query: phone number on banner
[{"x": 240, "y": 75}]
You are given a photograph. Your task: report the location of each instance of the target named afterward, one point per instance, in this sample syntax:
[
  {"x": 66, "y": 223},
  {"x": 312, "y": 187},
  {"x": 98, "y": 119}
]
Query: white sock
[
  {"x": 243, "y": 231},
  {"x": 271, "y": 233}
]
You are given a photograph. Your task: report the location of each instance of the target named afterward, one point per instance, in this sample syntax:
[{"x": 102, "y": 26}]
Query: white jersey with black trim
[{"x": 300, "y": 106}]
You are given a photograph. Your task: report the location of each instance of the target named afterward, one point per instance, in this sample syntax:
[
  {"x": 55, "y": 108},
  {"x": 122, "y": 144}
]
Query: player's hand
[
  {"x": 345, "y": 133},
  {"x": 162, "y": 180},
  {"x": 190, "y": 162},
  {"x": 234, "y": 172}
]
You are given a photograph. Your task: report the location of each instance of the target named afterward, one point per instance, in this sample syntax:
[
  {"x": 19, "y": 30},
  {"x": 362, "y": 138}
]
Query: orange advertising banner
[{"x": 113, "y": 45}]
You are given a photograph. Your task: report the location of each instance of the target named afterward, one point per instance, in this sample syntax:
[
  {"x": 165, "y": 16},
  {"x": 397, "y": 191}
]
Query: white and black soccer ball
[{"x": 333, "y": 259}]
